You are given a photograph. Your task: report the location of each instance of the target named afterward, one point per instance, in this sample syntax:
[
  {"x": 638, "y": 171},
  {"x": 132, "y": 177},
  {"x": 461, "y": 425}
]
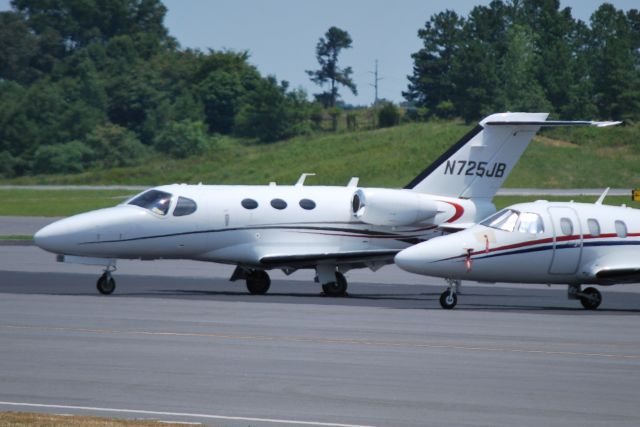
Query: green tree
[
  {"x": 182, "y": 139},
  {"x": 271, "y": 113},
  {"x": 115, "y": 146},
  {"x": 72, "y": 157},
  {"x": 327, "y": 51},
  {"x": 615, "y": 62},
  {"x": 430, "y": 84},
  {"x": 521, "y": 90}
]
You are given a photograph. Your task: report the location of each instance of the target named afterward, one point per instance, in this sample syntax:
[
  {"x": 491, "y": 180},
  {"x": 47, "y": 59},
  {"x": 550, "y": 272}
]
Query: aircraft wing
[
  {"x": 299, "y": 260},
  {"x": 621, "y": 268}
]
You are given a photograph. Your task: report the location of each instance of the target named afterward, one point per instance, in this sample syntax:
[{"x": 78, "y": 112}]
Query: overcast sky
[{"x": 281, "y": 35}]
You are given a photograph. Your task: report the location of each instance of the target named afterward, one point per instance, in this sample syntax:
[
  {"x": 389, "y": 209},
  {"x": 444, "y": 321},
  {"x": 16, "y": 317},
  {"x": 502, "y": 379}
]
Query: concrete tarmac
[{"x": 179, "y": 345}]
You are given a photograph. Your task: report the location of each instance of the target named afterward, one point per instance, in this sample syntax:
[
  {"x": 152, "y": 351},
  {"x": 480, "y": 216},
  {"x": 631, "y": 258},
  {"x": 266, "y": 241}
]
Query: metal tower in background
[{"x": 376, "y": 79}]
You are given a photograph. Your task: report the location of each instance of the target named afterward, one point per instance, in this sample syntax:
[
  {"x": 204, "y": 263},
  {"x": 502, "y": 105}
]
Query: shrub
[
  {"x": 72, "y": 157},
  {"x": 388, "y": 115},
  {"x": 115, "y": 146},
  {"x": 182, "y": 139}
]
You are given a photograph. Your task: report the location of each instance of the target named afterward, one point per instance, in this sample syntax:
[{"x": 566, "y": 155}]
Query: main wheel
[
  {"x": 258, "y": 282},
  {"x": 592, "y": 298},
  {"x": 337, "y": 288},
  {"x": 448, "y": 299},
  {"x": 106, "y": 285}
]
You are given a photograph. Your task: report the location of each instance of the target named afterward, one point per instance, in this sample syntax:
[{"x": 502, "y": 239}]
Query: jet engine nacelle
[{"x": 378, "y": 206}]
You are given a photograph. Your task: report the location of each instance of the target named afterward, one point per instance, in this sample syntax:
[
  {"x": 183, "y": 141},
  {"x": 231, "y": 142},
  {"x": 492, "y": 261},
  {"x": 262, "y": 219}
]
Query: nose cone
[
  {"x": 59, "y": 237},
  {"x": 415, "y": 258},
  {"x": 74, "y": 235},
  {"x": 441, "y": 256}
]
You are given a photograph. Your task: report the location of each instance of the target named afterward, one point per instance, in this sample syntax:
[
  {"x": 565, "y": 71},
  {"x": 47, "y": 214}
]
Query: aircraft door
[{"x": 567, "y": 240}]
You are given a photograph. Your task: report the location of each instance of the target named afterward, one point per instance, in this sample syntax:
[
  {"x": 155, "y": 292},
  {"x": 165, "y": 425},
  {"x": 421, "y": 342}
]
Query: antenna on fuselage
[
  {"x": 353, "y": 182},
  {"x": 304, "y": 176},
  {"x": 602, "y": 196}
]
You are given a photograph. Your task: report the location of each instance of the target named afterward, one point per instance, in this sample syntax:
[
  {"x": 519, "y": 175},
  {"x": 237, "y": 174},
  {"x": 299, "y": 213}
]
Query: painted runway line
[{"x": 177, "y": 414}]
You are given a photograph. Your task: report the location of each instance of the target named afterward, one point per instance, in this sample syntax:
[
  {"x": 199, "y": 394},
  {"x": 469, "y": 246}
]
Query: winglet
[{"x": 602, "y": 196}]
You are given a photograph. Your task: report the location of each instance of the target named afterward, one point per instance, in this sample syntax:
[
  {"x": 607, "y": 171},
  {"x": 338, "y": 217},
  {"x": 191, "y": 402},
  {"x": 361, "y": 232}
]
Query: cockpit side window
[
  {"x": 503, "y": 220},
  {"x": 156, "y": 201},
  {"x": 530, "y": 223},
  {"x": 184, "y": 207}
]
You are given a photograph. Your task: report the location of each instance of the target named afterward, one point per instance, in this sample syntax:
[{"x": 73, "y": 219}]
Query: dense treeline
[
  {"x": 528, "y": 55},
  {"x": 101, "y": 83}
]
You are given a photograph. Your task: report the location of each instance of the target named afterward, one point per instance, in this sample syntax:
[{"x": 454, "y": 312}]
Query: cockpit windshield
[
  {"x": 156, "y": 201},
  {"x": 503, "y": 220},
  {"x": 513, "y": 220}
]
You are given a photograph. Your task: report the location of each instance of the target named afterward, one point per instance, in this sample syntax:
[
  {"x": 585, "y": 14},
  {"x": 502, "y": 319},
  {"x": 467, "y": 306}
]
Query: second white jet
[{"x": 540, "y": 242}]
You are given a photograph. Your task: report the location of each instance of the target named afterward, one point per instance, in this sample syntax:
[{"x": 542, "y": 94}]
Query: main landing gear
[
  {"x": 258, "y": 282},
  {"x": 334, "y": 284},
  {"x": 106, "y": 283},
  {"x": 337, "y": 288},
  {"x": 590, "y": 298},
  {"x": 449, "y": 298}
]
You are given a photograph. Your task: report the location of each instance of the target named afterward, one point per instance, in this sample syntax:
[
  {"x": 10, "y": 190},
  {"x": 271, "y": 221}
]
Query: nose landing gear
[{"x": 449, "y": 299}]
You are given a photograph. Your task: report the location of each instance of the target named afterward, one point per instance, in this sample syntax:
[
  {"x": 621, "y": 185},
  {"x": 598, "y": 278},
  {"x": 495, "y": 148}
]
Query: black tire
[
  {"x": 337, "y": 288},
  {"x": 592, "y": 300},
  {"x": 258, "y": 282},
  {"x": 448, "y": 300},
  {"x": 106, "y": 284}
]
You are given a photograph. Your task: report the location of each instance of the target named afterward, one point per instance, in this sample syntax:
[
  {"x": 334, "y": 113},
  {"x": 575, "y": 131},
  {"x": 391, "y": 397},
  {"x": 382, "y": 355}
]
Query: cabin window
[
  {"x": 249, "y": 204},
  {"x": 307, "y": 204},
  {"x": 594, "y": 227},
  {"x": 504, "y": 220},
  {"x": 530, "y": 223},
  {"x": 566, "y": 226},
  {"x": 621, "y": 229},
  {"x": 278, "y": 204},
  {"x": 156, "y": 201},
  {"x": 184, "y": 207}
]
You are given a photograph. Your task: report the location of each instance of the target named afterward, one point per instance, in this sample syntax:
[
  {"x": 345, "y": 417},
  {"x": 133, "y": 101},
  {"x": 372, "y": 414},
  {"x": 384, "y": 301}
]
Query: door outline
[{"x": 565, "y": 260}]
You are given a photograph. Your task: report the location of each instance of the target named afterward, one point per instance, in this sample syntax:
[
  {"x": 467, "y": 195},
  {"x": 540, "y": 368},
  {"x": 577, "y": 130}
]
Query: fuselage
[
  {"x": 240, "y": 225},
  {"x": 540, "y": 242}
]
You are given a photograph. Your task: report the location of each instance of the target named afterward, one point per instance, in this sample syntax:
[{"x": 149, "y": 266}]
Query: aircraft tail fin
[{"x": 478, "y": 164}]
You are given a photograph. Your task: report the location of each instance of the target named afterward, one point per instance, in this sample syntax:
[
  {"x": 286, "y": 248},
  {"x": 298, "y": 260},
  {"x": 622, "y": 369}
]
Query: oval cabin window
[
  {"x": 249, "y": 204},
  {"x": 307, "y": 204},
  {"x": 278, "y": 204},
  {"x": 621, "y": 229},
  {"x": 594, "y": 227},
  {"x": 566, "y": 226}
]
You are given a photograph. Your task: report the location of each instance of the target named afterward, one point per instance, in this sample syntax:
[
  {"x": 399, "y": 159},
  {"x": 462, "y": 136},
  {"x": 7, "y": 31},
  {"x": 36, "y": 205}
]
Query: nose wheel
[
  {"x": 106, "y": 284},
  {"x": 449, "y": 298}
]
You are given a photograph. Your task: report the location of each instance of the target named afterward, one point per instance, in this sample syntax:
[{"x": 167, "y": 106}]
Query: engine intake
[{"x": 378, "y": 206}]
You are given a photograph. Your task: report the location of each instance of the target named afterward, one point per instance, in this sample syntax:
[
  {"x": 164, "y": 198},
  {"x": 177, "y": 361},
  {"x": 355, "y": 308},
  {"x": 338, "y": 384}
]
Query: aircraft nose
[
  {"x": 53, "y": 237},
  {"x": 414, "y": 258}
]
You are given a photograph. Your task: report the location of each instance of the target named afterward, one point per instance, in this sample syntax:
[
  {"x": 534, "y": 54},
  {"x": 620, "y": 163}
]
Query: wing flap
[{"x": 310, "y": 259}]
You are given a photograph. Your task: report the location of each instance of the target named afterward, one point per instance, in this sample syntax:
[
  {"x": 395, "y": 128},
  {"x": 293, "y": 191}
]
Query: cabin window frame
[
  {"x": 621, "y": 229},
  {"x": 594, "y": 227}
]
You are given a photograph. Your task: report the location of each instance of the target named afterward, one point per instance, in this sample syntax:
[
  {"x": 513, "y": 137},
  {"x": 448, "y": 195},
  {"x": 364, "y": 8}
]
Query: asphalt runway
[{"x": 178, "y": 342}]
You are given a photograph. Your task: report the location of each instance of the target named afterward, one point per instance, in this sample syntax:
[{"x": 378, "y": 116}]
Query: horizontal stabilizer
[{"x": 553, "y": 123}]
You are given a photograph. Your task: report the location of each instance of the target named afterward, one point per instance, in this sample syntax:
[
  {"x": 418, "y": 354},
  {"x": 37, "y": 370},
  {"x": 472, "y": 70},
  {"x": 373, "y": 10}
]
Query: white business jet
[
  {"x": 329, "y": 229},
  {"x": 540, "y": 242}
]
